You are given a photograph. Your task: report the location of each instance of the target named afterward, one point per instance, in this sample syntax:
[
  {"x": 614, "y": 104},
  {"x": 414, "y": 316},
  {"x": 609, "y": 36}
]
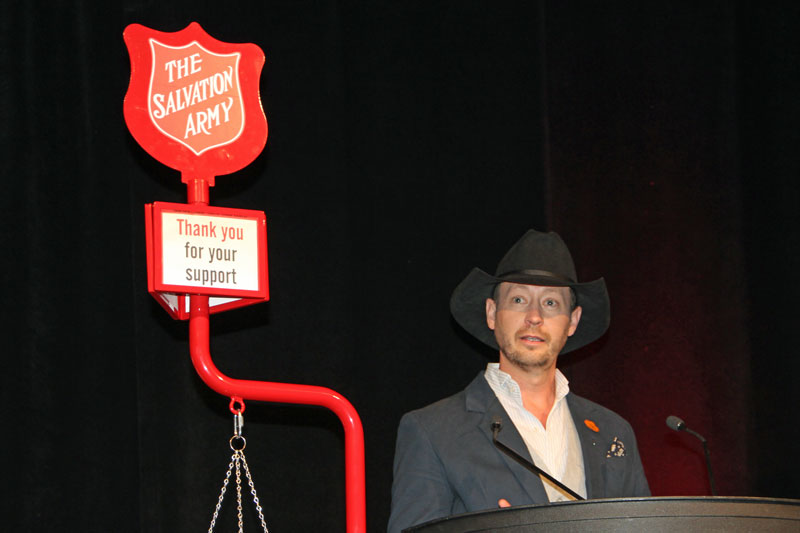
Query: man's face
[{"x": 531, "y": 323}]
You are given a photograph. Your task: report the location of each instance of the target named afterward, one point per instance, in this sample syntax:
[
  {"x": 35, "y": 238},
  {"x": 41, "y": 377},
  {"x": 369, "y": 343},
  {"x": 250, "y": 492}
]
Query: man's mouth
[{"x": 531, "y": 338}]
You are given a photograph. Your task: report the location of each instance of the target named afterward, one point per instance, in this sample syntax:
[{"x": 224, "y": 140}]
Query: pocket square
[{"x": 617, "y": 448}]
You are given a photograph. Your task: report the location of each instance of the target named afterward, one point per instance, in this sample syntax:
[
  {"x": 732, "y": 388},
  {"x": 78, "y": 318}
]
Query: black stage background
[{"x": 409, "y": 141}]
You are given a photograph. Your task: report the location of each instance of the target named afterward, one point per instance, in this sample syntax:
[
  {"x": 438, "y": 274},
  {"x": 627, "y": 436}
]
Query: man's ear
[
  {"x": 574, "y": 319},
  {"x": 491, "y": 309}
]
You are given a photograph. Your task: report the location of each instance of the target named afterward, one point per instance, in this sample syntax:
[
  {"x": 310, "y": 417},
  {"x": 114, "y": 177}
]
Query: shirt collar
[{"x": 503, "y": 382}]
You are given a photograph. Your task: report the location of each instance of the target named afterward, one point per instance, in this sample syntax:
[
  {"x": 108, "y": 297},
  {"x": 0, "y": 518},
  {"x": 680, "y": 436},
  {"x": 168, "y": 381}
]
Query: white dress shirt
[{"x": 555, "y": 448}]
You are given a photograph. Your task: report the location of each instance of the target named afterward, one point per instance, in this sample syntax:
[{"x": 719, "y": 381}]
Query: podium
[{"x": 623, "y": 515}]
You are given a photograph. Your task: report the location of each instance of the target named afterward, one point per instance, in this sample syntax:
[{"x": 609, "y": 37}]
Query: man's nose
[{"x": 533, "y": 315}]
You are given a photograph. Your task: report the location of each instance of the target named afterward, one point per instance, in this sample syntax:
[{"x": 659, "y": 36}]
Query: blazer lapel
[
  {"x": 591, "y": 448},
  {"x": 481, "y": 398}
]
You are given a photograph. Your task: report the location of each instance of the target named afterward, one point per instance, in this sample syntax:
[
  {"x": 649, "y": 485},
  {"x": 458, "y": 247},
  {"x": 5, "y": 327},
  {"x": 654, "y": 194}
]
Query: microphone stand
[
  {"x": 675, "y": 423},
  {"x": 496, "y": 426},
  {"x": 708, "y": 459}
]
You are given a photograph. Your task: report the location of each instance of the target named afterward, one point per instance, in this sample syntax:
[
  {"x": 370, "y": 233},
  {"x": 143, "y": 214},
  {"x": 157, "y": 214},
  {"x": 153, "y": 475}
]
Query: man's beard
[{"x": 525, "y": 361}]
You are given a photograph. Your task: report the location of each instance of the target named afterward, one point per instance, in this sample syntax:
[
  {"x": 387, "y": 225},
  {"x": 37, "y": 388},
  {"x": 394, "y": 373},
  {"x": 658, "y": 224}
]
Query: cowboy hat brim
[{"x": 468, "y": 305}]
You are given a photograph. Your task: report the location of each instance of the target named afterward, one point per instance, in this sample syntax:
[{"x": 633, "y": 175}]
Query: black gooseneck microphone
[
  {"x": 673, "y": 422},
  {"x": 497, "y": 425}
]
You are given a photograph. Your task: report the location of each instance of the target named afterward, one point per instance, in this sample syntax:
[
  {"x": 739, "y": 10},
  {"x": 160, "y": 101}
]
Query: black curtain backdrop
[{"x": 409, "y": 142}]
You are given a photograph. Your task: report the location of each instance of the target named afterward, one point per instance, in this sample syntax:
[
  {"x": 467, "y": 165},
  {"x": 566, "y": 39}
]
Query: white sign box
[{"x": 215, "y": 251}]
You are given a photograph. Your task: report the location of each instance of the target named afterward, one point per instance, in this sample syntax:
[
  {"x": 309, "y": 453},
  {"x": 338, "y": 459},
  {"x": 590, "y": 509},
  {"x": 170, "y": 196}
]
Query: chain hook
[
  {"x": 238, "y": 423},
  {"x": 232, "y": 405}
]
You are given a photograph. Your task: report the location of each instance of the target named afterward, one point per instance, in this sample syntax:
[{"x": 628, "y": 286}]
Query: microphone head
[{"x": 673, "y": 422}]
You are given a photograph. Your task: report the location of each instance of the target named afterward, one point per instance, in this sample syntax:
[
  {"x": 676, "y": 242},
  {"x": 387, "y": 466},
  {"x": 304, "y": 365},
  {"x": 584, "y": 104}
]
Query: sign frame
[{"x": 174, "y": 297}]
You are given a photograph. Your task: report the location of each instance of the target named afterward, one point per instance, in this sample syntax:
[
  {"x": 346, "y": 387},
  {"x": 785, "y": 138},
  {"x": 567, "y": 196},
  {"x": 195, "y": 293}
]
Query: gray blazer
[{"x": 446, "y": 463}]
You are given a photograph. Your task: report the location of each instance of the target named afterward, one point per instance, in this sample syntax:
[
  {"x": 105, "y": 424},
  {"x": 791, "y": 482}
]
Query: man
[{"x": 531, "y": 310}]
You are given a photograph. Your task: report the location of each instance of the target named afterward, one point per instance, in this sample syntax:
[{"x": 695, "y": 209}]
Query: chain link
[
  {"x": 221, "y": 495},
  {"x": 255, "y": 496},
  {"x": 239, "y": 491}
]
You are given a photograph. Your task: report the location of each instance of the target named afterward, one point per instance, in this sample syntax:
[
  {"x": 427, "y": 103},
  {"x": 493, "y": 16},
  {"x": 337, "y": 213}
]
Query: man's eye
[
  {"x": 550, "y": 303},
  {"x": 516, "y": 300}
]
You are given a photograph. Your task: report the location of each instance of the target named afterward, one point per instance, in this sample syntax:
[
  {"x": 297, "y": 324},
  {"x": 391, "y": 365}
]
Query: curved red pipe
[
  {"x": 199, "y": 347},
  {"x": 287, "y": 393}
]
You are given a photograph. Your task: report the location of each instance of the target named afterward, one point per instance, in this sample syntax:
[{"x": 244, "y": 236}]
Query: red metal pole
[{"x": 199, "y": 348}]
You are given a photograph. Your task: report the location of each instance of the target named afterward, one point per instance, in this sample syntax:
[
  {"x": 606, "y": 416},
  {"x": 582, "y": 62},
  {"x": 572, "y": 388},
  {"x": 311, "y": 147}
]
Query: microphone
[
  {"x": 497, "y": 425},
  {"x": 673, "y": 422}
]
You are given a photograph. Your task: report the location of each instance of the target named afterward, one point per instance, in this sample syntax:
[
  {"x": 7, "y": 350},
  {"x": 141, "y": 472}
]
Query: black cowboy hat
[{"x": 536, "y": 259}]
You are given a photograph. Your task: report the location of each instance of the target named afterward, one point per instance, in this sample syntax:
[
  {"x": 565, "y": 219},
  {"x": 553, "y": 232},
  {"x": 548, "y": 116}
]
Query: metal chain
[
  {"x": 237, "y": 461},
  {"x": 221, "y": 495},
  {"x": 237, "y": 454},
  {"x": 255, "y": 496}
]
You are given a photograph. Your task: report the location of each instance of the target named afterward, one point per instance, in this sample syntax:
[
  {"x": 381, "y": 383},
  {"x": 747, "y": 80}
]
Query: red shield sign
[{"x": 193, "y": 102}]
